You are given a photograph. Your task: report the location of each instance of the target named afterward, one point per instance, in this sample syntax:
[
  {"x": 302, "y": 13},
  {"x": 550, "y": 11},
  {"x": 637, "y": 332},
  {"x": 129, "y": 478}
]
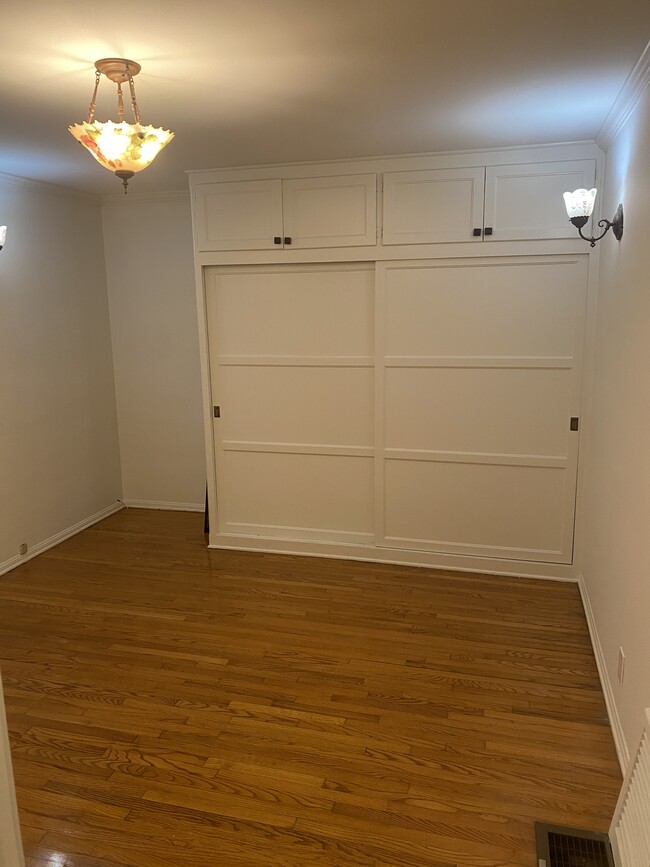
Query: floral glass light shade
[
  {"x": 3, "y": 236},
  {"x": 580, "y": 205},
  {"x": 121, "y": 147}
]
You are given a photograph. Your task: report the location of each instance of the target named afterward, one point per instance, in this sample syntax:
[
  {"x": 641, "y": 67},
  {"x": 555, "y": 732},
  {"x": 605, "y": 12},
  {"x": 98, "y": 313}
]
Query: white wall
[
  {"x": 150, "y": 274},
  {"x": 616, "y": 518},
  {"x": 59, "y": 458}
]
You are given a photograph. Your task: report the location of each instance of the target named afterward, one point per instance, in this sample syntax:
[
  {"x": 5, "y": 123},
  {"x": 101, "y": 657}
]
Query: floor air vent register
[{"x": 570, "y": 847}]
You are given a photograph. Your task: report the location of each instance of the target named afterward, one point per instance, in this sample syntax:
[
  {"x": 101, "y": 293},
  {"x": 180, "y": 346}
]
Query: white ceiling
[{"x": 264, "y": 81}]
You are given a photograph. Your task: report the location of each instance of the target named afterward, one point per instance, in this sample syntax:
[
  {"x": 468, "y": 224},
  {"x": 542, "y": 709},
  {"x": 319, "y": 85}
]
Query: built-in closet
[{"x": 393, "y": 356}]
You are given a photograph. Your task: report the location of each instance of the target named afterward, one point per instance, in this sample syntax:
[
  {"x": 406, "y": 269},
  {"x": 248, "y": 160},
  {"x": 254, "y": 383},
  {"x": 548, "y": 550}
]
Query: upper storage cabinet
[
  {"x": 270, "y": 214},
  {"x": 524, "y": 202},
  {"x": 238, "y": 215},
  {"x": 433, "y": 206},
  {"x": 497, "y": 203}
]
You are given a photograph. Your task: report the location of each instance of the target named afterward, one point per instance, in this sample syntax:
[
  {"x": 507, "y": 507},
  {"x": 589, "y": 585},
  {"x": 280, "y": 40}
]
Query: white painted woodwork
[
  {"x": 11, "y": 848},
  {"x": 438, "y": 205},
  {"x": 330, "y": 211},
  {"x": 478, "y": 375},
  {"x": 291, "y": 361},
  {"x": 464, "y": 506},
  {"x": 316, "y": 365},
  {"x": 430, "y": 203},
  {"x": 311, "y": 212},
  {"x": 294, "y": 495},
  {"x": 465, "y": 448},
  {"x": 238, "y": 215},
  {"x": 507, "y": 410},
  {"x": 630, "y": 828},
  {"x": 343, "y": 413},
  {"x": 524, "y": 202}
]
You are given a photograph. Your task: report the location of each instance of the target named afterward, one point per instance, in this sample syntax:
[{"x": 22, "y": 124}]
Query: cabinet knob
[
  {"x": 476, "y": 233},
  {"x": 277, "y": 240},
  {"x": 487, "y": 230},
  {"x": 287, "y": 240}
]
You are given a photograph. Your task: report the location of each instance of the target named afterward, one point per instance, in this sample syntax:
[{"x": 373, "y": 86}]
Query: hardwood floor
[{"x": 170, "y": 705}]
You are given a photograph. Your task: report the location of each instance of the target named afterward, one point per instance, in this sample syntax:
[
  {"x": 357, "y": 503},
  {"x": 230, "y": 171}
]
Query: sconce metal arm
[
  {"x": 616, "y": 224},
  {"x": 592, "y": 240}
]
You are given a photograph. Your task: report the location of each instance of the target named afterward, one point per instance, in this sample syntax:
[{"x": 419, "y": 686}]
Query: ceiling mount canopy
[{"x": 121, "y": 147}]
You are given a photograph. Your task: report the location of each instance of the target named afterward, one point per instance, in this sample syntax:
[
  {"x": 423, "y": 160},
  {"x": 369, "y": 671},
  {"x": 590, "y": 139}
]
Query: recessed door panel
[
  {"x": 480, "y": 509},
  {"x": 433, "y": 206},
  {"x": 483, "y": 410},
  {"x": 301, "y": 496}
]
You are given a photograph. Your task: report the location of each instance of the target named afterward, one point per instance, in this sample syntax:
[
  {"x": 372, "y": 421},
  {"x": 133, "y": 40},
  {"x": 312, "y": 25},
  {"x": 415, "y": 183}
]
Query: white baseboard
[
  {"x": 612, "y": 711},
  {"x": 46, "y": 544},
  {"x": 393, "y": 556},
  {"x": 163, "y": 506}
]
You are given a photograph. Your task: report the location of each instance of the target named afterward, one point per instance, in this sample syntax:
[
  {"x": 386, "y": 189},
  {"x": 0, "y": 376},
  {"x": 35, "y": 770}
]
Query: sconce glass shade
[
  {"x": 127, "y": 147},
  {"x": 3, "y": 236},
  {"x": 580, "y": 203}
]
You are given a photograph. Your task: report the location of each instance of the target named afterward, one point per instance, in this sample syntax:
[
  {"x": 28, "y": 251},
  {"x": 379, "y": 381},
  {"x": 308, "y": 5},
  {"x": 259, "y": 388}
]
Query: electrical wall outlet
[{"x": 621, "y": 665}]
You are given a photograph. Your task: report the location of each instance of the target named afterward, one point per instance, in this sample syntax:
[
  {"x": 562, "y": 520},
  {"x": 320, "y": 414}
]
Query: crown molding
[
  {"x": 481, "y": 153},
  {"x": 626, "y": 101},
  {"x": 47, "y": 189},
  {"x": 119, "y": 199}
]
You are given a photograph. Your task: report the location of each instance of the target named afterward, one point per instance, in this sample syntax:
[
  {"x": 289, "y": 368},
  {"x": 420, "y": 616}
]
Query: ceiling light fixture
[
  {"x": 580, "y": 204},
  {"x": 3, "y": 236},
  {"x": 122, "y": 148}
]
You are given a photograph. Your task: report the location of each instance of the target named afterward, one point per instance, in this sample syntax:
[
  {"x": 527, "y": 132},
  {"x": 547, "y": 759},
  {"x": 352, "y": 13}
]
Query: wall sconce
[
  {"x": 3, "y": 236},
  {"x": 580, "y": 204},
  {"x": 123, "y": 148}
]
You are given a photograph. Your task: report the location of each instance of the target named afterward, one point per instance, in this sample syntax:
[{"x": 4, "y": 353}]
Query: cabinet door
[
  {"x": 331, "y": 211},
  {"x": 525, "y": 201},
  {"x": 433, "y": 206},
  {"x": 238, "y": 215}
]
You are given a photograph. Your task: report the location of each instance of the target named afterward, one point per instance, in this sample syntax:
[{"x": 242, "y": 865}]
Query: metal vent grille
[{"x": 570, "y": 847}]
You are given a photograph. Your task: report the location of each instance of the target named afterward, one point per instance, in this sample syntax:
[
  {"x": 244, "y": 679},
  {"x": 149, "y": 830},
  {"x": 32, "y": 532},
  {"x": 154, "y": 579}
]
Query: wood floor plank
[{"x": 170, "y": 705}]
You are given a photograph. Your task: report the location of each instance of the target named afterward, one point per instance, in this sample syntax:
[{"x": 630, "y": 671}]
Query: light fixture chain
[
  {"x": 93, "y": 99},
  {"x": 134, "y": 102},
  {"x": 120, "y": 102}
]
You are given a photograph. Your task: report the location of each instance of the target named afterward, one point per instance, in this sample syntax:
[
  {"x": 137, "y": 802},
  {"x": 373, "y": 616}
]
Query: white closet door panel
[
  {"x": 296, "y": 311},
  {"x": 331, "y": 211},
  {"x": 525, "y": 201},
  {"x": 296, "y": 495},
  {"x": 291, "y": 368},
  {"x": 502, "y": 411},
  {"x": 484, "y": 309},
  {"x": 433, "y": 206},
  {"x": 238, "y": 215},
  {"x": 300, "y": 405},
  {"x": 482, "y": 509}
]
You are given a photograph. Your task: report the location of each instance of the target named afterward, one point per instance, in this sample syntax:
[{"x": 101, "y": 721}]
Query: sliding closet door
[
  {"x": 291, "y": 363},
  {"x": 478, "y": 377}
]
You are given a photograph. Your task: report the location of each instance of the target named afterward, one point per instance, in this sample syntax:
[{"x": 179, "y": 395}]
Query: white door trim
[{"x": 11, "y": 847}]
